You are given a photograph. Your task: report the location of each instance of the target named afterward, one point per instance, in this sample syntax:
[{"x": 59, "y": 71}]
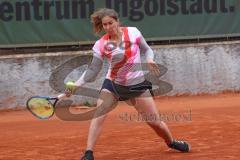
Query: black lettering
[
  {"x": 41, "y": 10},
  {"x": 108, "y": 4},
  {"x": 196, "y": 7},
  {"x": 64, "y": 9},
  {"x": 83, "y": 6},
  {"x": 121, "y": 5},
  {"x": 36, "y": 5},
  {"x": 5, "y": 11},
  {"x": 75, "y": 9},
  {"x": 162, "y": 7},
  {"x": 223, "y": 6},
  {"x": 47, "y": 6},
  {"x": 151, "y": 7},
  {"x": 231, "y": 8},
  {"x": 174, "y": 8},
  {"x": 26, "y": 9},
  {"x": 184, "y": 7},
  {"x": 134, "y": 14},
  {"x": 210, "y": 6}
]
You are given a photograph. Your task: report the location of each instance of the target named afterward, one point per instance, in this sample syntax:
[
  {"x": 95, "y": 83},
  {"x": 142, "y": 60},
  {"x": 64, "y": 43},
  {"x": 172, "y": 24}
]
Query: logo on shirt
[{"x": 123, "y": 45}]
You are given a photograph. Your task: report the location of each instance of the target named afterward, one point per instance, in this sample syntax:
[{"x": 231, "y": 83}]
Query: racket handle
[{"x": 60, "y": 96}]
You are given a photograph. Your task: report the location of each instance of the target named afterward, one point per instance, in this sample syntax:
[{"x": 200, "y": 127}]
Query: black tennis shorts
[{"x": 126, "y": 92}]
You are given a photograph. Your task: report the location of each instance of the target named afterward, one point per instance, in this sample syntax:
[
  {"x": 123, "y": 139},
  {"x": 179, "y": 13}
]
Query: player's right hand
[{"x": 68, "y": 93}]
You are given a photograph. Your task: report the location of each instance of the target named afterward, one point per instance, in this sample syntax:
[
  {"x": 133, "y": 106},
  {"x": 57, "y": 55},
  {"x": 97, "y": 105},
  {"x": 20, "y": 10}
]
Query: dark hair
[{"x": 98, "y": 15}]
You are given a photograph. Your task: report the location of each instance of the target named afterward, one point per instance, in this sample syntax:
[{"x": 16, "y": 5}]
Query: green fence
[{"x": 62, "y": 22}]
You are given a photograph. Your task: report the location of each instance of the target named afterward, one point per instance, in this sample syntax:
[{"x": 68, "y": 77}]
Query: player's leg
[
  {"x": 146, "y": 106},
  {"x": 106, "y": 102}
]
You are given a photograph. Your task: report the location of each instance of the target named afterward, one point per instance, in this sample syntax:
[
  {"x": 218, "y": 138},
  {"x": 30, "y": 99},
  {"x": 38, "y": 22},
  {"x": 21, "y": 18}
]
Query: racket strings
[{"x": 41, "y": 107}]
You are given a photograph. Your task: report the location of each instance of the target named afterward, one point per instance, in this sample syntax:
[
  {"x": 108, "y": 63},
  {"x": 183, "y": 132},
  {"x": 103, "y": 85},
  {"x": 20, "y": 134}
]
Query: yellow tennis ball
[{"x": 70, "y": 85}]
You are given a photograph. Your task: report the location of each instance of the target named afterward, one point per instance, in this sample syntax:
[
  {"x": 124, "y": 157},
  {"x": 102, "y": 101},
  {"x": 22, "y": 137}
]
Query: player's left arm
[{"x": 148, "y": 52}]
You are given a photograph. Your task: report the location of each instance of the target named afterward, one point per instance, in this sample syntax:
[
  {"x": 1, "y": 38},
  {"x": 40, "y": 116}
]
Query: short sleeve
[{"x": 97, "y": 51}]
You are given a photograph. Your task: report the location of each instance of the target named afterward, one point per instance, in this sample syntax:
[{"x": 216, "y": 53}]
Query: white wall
[{"x": 192, "y": 69}]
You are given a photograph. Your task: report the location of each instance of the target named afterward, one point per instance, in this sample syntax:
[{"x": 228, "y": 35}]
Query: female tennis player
[{"x": 121, "y": 46}]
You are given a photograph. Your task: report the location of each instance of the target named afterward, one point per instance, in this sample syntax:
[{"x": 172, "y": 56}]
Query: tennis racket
[{"x": 43, "y": 107}]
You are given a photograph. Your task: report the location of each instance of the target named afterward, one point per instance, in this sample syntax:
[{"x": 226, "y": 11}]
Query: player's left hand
[{"x": 153, "y": 68}]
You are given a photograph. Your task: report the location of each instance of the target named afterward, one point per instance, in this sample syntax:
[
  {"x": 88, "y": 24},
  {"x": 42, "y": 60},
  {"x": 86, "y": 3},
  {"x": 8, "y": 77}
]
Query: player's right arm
[{"x": 92, "y": 70}]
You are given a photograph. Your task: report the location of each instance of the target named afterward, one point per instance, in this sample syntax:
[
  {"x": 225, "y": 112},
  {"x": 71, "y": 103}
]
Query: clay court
[{"x": 210, "y": 123}]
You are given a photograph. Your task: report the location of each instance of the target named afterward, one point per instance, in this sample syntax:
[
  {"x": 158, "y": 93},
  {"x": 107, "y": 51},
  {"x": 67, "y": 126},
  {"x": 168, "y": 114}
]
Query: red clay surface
[{"x": 212, "y": 130}]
